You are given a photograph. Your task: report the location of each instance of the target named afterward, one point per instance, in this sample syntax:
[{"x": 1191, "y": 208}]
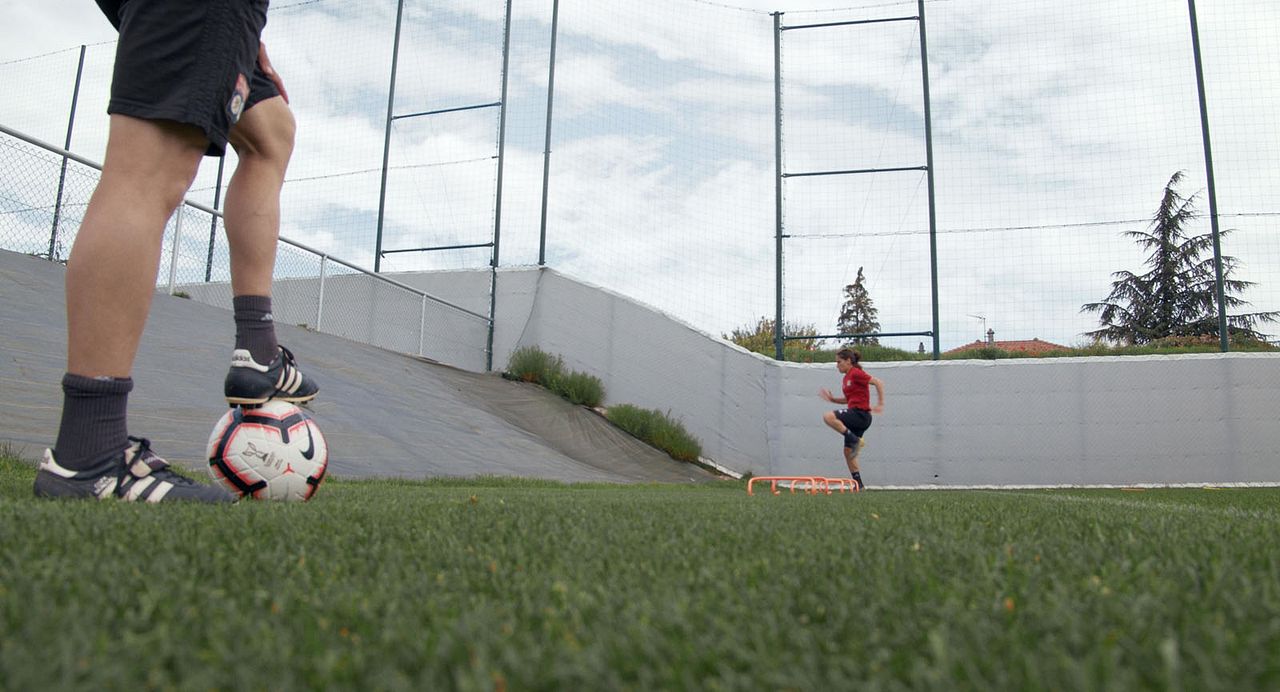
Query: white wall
[
  {"x": 1186, "y": 419},
  {"x": 1157, "y": 419}
]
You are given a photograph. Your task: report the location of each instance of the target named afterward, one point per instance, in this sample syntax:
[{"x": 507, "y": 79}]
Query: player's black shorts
[
  {"x": 855, "y": 419},
  {"x": 189, "y": 61}
]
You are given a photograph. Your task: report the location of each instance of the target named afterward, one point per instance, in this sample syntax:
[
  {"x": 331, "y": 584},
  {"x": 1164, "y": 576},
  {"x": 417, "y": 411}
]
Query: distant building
[{"x": 1033, "y": 346}]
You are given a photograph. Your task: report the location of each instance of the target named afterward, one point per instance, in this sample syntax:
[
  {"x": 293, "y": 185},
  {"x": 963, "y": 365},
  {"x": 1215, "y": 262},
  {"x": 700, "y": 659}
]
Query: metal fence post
[
  {"x": 933, "y": 209},
  {"x": 1224, "y": 341},
  {"x": 422, "y": 328},
  {"x": 546, "y": 149},
  {"x": 497, "y": 213},
  {"x": 777, "y": 189},
  {"x": 386, "y": 143},
  {"x": 173, "y": 252},
  {"x": 213, "y": 220},
  {"x": 324, "y": 260},
  {"x": 62, "y": 175}
]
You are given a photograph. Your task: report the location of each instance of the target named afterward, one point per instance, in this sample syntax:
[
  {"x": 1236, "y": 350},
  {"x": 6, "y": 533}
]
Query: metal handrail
[{"x": 210, "y": 210}]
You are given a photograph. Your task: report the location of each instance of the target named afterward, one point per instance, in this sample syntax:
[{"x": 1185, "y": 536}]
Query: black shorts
[
  {"x": 855, "y": 419},
  {"x": 188, "y": 61}
]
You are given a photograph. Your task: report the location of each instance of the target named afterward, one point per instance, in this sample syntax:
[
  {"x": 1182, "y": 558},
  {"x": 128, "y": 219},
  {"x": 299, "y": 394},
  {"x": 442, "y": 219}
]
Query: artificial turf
[{"x": 505, "y": 585}]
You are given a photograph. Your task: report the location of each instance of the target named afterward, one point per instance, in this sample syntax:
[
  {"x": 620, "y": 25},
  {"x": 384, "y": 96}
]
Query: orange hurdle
[
  {"x": 842, "y": 483},
  {"x": 773, "y": 483},
  {"x": 815, "y": 484}
]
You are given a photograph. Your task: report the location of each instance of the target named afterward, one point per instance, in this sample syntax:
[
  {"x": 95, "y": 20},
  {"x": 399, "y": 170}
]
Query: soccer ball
[{"x": 271, "y": 452}]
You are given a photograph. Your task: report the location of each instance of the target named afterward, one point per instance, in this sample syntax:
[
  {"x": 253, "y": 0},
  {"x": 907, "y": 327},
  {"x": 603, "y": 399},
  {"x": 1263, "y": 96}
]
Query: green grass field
[{"x": 511, "y": 585}]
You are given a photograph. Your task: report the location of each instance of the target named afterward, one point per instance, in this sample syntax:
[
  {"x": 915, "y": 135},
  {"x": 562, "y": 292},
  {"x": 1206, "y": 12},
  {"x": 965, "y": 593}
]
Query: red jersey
[{"x": 856, "y": 390}]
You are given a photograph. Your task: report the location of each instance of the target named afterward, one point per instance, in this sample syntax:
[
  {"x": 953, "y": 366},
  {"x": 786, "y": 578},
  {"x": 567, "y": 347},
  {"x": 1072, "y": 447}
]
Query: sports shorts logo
[{"x": 239, "y": 95}]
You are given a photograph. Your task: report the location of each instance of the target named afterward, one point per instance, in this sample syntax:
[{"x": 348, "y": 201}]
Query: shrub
[
  {"x": 532, "y": 364},
  {"x": 578, "y": 387},
  {"x": 657, "y": 429},
  {"x": 759, "y": 338},
  {"x": 986, "y": 353}
]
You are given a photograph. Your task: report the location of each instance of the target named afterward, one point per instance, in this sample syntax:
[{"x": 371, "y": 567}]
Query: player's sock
[
  {"x": 857, "y": 476},
  {"x": 93, "y": 427},
  {"x": 255, "y": 328}
]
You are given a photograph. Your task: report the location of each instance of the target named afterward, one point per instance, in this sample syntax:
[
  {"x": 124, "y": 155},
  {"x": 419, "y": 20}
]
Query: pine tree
[
  {"x": 858, "y": 316},
  {"x": 1178, "y": 295}
]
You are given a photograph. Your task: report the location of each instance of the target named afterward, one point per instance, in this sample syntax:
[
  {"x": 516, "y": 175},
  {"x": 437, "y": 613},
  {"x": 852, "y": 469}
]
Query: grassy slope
[{"x": 494, "y": 584}]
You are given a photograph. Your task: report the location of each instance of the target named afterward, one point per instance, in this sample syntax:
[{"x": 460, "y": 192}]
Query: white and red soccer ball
[{"x": 271, "y": 452}]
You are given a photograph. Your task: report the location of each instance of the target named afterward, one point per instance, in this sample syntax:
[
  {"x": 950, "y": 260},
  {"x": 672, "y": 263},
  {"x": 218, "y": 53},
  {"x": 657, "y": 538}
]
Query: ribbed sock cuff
[
  {"x": 94, "y": 423},
  {"x": 255, "y": 327}
]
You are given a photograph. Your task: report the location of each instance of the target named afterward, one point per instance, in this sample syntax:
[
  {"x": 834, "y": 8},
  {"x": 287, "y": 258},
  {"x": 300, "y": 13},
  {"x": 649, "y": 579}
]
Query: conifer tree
[
  {"x": 859, "y": 314},
  {"x": 1177, "y": 296}
]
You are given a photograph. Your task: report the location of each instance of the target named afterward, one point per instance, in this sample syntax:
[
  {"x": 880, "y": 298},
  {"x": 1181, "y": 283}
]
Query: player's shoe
[
  {"x": 249, "y": 382},
  {"x": 137, "y": 475},
  {"x": 852, "y": 441}
]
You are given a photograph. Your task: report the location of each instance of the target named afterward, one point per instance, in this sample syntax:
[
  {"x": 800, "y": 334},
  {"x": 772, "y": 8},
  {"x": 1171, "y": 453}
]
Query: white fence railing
[{"x": 44, "y": 190}]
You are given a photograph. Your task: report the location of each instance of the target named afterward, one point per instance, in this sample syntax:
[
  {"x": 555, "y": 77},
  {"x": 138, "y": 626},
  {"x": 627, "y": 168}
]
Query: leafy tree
[
  {"x": 858, "y": 315},
  {"x": 759, "y": 338},
  {"x": 1178, "y": 295}
]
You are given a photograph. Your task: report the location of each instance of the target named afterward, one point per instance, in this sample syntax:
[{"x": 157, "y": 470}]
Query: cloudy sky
[{"x": 1055, "y": 127}]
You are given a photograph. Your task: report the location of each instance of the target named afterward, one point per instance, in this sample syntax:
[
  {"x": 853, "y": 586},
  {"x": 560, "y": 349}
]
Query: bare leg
[
  {"x": 263, "y": 140},
  {"x": 834, "y": 423},
  {"x": 111, "y": 274},
  {"x": 260, "y": 369},
  {"x": 851, "y": 460}
]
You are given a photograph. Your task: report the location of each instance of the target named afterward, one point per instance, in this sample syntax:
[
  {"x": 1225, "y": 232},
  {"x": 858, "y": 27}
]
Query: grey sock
[
  {"x": 255, "y": 328},
  {"x": 93, "y": 427}
]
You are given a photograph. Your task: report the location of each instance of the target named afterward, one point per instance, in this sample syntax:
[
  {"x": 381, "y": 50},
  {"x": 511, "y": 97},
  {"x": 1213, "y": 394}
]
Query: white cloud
[{"x": 1045, "y": 114}]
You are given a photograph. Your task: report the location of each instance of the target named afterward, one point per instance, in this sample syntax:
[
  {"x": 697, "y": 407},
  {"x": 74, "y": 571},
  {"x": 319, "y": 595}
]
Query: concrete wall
[
  {"x": 1186, "y": 419},
  {"x": 1158, "y": 419}
]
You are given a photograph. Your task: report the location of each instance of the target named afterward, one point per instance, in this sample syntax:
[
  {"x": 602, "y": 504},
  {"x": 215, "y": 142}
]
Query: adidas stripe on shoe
[
  {"x": 137, "y": 475},
  {"x": 249, "y": 382}
]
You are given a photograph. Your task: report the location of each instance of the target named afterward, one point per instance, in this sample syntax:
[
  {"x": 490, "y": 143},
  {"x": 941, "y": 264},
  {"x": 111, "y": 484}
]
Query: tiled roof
[{"x": 1028, "y": 346}]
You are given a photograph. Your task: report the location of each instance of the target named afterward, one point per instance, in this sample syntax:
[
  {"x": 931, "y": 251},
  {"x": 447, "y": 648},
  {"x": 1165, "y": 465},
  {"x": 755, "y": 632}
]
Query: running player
[{"x": 853, "y": 420}]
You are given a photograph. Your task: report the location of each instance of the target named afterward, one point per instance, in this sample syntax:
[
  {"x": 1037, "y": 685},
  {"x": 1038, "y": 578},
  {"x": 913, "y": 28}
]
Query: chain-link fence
[{"x": 48, "y": 190}]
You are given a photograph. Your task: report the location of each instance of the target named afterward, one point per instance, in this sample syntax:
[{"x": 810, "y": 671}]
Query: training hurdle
[
  {"x": 811, "y": 485},
  {"x": 842, "y": 483}
]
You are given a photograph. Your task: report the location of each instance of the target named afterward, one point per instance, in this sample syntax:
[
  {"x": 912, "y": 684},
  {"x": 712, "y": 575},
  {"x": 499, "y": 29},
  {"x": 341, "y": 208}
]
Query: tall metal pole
[
  {"x": 386, "y": 143},
  {"x": 1223, "y": 341},
  {"x": 777, "y": 184},
  {"x": 546, "y": 149},
  {"x": 497, "y": 213},
  {"x": 62, "y": 176},
  {"x": 213, "y": 221},
  {"x": 933, "y": 215}
]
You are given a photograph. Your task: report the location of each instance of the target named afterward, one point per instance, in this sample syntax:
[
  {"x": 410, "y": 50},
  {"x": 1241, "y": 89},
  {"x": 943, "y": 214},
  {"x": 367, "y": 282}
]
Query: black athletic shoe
[
  {"x": 851, "y": 441},
  {"x": 137, "y": 475},
  {"x": 249, "y": 382}
]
